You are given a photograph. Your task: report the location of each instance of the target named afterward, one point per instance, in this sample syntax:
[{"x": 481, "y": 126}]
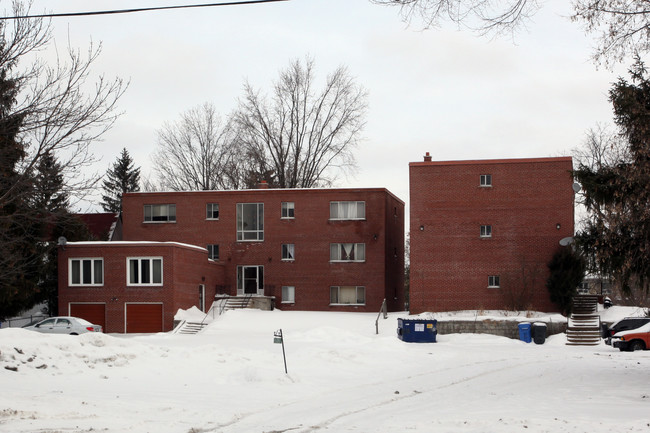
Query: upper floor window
[
  {"x": 493, "y": 281},
  {"x": 212, "y": 211},
  {"x": 288, "y": 209},
  {"x": 250, "y": 221},
  {"x": 486, "y": 231},
  {"x": 288, "y": 252},
  {"x": 213, "y": 251},
  {"x": 348, "y": 210},
  {"x": 159, "y": 212},
  {"x": 347, "y": 252},
  {"x": 144, "y": 271},
  {"x": 486, "y": 180},
  {"x": 86, "y": 272},
  {"x": 348, "y": 295}
]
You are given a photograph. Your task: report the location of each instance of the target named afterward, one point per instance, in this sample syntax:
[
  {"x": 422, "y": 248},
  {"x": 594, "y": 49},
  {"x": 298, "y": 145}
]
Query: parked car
[
  {"x": 64, "y": 325},
  {"x": 623, "y": 325},
  {"x": 635, "y": 339}
]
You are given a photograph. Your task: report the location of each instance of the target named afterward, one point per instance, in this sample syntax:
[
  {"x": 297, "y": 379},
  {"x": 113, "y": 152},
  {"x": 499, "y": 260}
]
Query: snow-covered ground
[{"x": 342, "y": 377}]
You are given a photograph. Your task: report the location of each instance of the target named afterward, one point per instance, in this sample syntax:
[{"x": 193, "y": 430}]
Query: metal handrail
[{"x": 382, "y": 309}]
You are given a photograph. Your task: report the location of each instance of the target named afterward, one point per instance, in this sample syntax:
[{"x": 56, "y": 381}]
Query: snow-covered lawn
[{"x": 342, "y": 377}]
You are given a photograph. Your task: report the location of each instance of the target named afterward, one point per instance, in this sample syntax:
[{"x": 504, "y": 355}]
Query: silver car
[{"x": 64, "y": 325}]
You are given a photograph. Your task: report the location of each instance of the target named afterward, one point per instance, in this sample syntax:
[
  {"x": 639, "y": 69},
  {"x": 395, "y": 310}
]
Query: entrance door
[{"x": 250, "y": 280}]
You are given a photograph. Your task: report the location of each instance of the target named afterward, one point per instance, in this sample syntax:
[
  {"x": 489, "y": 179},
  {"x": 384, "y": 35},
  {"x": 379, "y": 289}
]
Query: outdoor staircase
[
  {"x": 584, "y": 324},
  {"x": 186, "y": 327},
  {"x": 234, "y": 302}
]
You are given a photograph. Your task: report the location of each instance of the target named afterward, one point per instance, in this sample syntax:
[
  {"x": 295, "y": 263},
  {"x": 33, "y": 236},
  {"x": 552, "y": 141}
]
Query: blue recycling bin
[
  {"x": 417, "y": 330},
  {"x": 525, "y": 332}
]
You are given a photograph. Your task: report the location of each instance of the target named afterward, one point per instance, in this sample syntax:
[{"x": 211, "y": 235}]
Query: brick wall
[
  {"x": 450, "y": 263},
  {"x": 311, "y": 231}
]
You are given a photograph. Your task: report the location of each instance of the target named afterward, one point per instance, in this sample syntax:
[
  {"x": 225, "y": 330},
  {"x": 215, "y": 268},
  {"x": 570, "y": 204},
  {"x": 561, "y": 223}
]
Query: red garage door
[
  {"x": 94, "y": 313},
  {"x": 144, "y": 318}
]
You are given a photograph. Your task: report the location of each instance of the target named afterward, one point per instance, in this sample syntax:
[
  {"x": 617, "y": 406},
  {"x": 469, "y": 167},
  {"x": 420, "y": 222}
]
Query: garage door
[
  {"x": 94, "y": 313},
  {"x": 144, "y": 318}
]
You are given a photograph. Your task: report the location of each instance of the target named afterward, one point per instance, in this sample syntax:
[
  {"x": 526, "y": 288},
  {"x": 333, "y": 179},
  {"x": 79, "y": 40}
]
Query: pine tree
[
  {"x": 567, "y": 270},
  {"x": 19, "y": 231},
  {"x": 123, "y": 177},
  {"x": 616, "y": 238}
]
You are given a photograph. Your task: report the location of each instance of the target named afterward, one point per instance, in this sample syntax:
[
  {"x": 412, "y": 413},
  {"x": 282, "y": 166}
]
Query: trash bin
[
  {"x": 539, "y": 332},
  {"x": 524, "y": 332},
  {"x": 417, "y": 331}
]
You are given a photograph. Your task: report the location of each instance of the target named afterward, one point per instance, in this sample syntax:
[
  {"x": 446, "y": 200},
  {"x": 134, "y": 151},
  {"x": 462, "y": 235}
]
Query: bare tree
[
  {"x": 623, "y": 26},
  {"x": 302, "y": 136},
  {"x": 483, "y": 16},
  {"x": 198, "y": 152}
]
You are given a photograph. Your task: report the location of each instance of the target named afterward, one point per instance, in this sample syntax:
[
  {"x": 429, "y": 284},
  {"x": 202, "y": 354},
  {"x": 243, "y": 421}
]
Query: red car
[{"x": 634, "y": 339}]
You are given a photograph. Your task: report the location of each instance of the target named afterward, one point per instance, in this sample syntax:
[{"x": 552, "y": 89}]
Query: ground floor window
[
  {"x": 348, "y": 295},
  {"x": 493, "y": 281},
  {"x": 250, "y": 280},
  {"x": 288, "y": 294},
  {"x": 144, "y": 271}
]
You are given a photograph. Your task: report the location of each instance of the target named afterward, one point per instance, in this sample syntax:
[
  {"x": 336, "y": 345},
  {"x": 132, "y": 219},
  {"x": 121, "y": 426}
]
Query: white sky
[{"x": 444, "y": 91}]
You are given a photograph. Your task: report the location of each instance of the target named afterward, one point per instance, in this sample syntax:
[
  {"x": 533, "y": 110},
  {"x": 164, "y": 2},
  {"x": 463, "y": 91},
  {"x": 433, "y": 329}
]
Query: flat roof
[{"x": 492, "y": 161}]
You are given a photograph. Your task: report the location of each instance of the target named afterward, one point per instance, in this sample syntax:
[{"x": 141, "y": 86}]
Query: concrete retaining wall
[{"x": 505, "y": 328}]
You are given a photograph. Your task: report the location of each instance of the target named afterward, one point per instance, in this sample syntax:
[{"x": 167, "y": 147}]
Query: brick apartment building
[
  {"x": 307, "y": 249},
  {"x": 482, "y": 232}
]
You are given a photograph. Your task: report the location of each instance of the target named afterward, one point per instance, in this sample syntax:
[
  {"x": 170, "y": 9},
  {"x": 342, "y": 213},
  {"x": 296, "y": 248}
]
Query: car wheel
[
  {"x": 637, "y": 345},
  {"x": 73, "y": 333}
]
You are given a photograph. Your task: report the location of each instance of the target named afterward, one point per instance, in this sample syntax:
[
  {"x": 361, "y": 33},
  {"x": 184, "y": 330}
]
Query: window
[
  {"x": 347, "y": 252},
  {"x": 287, "y": 209},
  {"x": 144, "y": 271},
  {"x": 486, "y": 180},
  {"x": 347, "y": 295},
  {"x": 493, "y": 281},
  {"x": 250, "y": 280},
  {"x": 250, "y": 221},
  {"x": 213, "y": 251},
  {"x": 348, "y": 210},
  {"x": 212, "y": 211},
  {"x": 288, "y": 295},
  {"x": 288, "y": 252},
  {"x": 486, "y": 231},
  {"x": 159, "y": 212},
  {"x": 86, "y": 272}
]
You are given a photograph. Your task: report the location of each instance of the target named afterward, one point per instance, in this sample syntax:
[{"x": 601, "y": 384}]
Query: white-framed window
[
  {"x": 288, "y": 252},
  {"x": 250, "y": 221},
  {"x": 493, "y": 281},
  {"x": 347, "y": 210},
  {"x": 486, "y": 231},
  {"x": 288, "y": 295},
  {"x": 288, "y": 210},
  {"x": 250, "y": 280},
  {"x": 144, "y": 271},
  {"x": 159, "y": 213},
  {"x": 212, "y": 211},
  {"x": 347, "y": 252},
  {"x": 485, "y": 180},
  {"x": 213, "y": 251},
  {"x": 86, "y": 272},
  {"x": 347, "y": 295}
]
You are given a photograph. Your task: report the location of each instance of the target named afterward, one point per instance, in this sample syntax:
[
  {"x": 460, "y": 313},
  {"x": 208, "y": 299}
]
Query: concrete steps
[{"x": 583, "y": 327}]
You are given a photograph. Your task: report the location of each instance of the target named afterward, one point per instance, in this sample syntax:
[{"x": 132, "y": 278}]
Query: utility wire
[{"x": 126, "y": 11}]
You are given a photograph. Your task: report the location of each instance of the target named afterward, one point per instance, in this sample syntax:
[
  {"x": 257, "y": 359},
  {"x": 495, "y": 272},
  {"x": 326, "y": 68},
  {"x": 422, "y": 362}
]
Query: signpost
[{"x": 278, "y": 338}]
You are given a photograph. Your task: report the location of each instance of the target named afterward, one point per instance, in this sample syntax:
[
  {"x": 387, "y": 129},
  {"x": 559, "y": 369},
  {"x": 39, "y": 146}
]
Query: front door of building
[{"x": 250, "y": 280}]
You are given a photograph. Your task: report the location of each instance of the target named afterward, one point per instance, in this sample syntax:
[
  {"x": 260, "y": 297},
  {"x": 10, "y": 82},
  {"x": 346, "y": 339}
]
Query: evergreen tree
[
  {"x": 616, "y": 238},
  {"x": 567, "y": 269},
  {"x": 19, "y": 231},
  {"x": 123, "y": 177}
]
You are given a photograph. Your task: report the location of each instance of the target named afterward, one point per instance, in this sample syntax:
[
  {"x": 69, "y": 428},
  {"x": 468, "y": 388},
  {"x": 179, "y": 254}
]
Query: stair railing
[{"x": 381, "y": 310}]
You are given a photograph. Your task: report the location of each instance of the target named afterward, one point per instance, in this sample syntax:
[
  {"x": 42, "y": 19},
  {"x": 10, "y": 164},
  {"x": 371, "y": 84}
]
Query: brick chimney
[
  {"x": 263, "y": 185},
  {"x": 427, "y": 157}
]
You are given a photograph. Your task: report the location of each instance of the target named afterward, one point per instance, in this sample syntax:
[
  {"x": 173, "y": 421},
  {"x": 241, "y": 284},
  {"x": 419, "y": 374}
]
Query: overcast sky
[{"x": 443, "y": 91}]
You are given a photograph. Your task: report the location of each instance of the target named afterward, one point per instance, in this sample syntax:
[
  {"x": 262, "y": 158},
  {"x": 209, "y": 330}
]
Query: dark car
[{"x": 624, "y": 325}]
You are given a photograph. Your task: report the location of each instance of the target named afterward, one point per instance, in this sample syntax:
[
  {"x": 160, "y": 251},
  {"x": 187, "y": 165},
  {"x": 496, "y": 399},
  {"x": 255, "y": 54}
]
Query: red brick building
[
  {"x": 482, "y": 232},
  {"x": 308, "y": 249}
]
